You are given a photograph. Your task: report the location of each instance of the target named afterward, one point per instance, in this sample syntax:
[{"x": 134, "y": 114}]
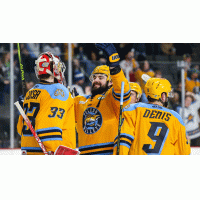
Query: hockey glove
[
  {"x": 111, "y": 51},
  {"x": 21, "y": 100}
]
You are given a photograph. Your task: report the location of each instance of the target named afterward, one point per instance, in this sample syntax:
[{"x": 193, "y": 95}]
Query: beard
[{"x": 99, "y": 90}]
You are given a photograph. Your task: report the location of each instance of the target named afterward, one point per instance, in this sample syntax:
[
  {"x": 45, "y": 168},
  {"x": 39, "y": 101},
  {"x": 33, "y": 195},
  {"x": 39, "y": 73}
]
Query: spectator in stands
[
  {"x": 3, "y": 82},
  {"x": 78, "y": 81},
  {"x": 142, "y": 68},
  {"x": 191, "y": 79},
  {"x": 191, "y": 117},
  {"x": 77, "y": 66},
  {"x": 89, "y": 65},
  {"x": 127, "y": 65},
  {"x": 4, "y": 47},
  {"x": 5, "y": 74},
  {"x": 80, "y": 54},
  {"x": 178, "y": 90},
  {"x": 168, "y": 49},
  {"x": 54, "y": 48},
  {"x": 158, "y": 73},
  {"x": 188, "y": 61},
  {"x": 174, "y": 102}
]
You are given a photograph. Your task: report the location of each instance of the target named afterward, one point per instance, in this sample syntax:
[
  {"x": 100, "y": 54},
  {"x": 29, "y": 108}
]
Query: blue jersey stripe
[
  {"x": 123, "y": 143},
  {"x": 49, "y": 130},
  {"x": 130, "y": 137},
  {"x": 119, "y": 94},
  {"x": 124, "y": 99},
  {"x": 32, "y": 149},
  {"x": 96, "y": 146},
  {"x": 153, "y": 106},
  {"x": 105, "y": 152},
  {"x": 49, "y": 139}
]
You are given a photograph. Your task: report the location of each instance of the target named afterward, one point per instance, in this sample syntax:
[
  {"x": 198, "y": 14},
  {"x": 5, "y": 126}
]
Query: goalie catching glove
[
  {"x": 111, "y": 51},
  {"x": 62, "y": 150}
]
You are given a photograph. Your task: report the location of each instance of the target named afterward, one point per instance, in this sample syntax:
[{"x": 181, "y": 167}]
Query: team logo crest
[
  {"x": 59, "y": 92},
  {"x": 92, "y": 120}
]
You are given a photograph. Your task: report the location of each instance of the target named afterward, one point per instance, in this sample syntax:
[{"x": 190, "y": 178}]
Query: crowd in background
[{"x": 135, "y": 58}]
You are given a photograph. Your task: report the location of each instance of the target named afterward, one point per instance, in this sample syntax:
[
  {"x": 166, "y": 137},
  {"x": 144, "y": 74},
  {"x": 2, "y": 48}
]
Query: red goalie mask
[{"x": 47, "y": 63}]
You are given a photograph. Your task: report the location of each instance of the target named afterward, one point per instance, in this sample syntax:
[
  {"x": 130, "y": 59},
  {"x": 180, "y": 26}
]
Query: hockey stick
[
  {"x": 22, "y": 71},
  {"x": 26, "y": 119},
  {"x": 120, "y": 116}
]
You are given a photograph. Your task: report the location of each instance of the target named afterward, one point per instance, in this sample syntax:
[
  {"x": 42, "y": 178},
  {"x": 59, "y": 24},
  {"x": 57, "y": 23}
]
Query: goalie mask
[
  {"x": 102, "y": 69},
  {"x": 49, "y": 64}
]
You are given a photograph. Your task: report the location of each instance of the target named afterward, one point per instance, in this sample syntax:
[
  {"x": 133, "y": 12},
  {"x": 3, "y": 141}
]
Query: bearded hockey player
[
  {"x": 152, "y": 129},
  {"x": 97, "y": 115},
  {"x": 49, "y": 106}
]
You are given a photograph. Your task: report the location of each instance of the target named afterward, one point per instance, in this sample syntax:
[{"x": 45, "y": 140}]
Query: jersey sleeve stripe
[
  {"x": 118, "y": 98},
  {"x": 119, "y": 94},
  {"x": 51, "y": 137},
  {"x": 123, "y": 143},
  {"x": 32, "y": 149},
  {"x": 106, "y": 152},
  {"x": 96, "y": 146},
  {"x": 48, "y": 130},
  {"x": 124, "y": 135}
]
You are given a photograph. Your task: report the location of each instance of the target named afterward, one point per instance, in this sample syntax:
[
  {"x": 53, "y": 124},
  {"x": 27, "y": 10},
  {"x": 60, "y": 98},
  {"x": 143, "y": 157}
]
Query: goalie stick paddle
[
  {"x": 120, "y": 116},
  {"x": 22, "y": 71},
  {"x": 26, "y": 119}
]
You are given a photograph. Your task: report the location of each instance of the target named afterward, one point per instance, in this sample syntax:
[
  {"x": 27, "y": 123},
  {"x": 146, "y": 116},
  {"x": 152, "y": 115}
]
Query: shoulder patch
[{"x": 59, "y": 92}]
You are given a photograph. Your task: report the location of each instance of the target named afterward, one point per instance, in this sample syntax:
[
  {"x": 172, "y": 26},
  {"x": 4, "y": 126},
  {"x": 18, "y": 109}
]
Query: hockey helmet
[
  {"x": 136, "y": 87},
  {"x": 154, "y": 88},
  {"x": 47, "y": 63},
  {"x": 102, "y": 69}
]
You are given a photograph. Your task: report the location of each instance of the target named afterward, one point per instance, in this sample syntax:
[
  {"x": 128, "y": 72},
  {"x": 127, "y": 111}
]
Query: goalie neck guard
[{"x": 49, "y": 64}]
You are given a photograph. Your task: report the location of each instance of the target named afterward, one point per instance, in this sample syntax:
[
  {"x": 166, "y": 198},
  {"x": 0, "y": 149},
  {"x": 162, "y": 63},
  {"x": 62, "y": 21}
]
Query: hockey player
[
  {"x": 152, "y": 129},
  {"x": 50, "y": 108},
  {"x": 136, "y": 92},
  {"x": 97, "y": 115}
]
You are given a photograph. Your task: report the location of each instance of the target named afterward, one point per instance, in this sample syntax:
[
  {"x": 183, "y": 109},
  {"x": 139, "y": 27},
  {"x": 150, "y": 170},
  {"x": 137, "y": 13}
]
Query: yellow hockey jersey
[
  {"x": 190, "y": 84},
  {"x": 50, "y": 108},
  {"x": 97, "y": 118},
  {"x": 149, "y": 129}
]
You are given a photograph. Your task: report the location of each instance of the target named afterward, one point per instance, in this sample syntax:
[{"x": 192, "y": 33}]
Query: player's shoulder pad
[
  {"x": 132, "y": 107},
  {"x": 56, "y": 91},
  {"x": 153, "y": 106}
]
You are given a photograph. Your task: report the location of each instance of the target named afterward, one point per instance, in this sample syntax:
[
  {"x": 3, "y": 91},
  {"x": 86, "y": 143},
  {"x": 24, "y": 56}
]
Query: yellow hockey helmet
[
  {"x": 154, "y": 88},
  {"x": 102, "y": 69},
  {"x": 136, "y": 87}
]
